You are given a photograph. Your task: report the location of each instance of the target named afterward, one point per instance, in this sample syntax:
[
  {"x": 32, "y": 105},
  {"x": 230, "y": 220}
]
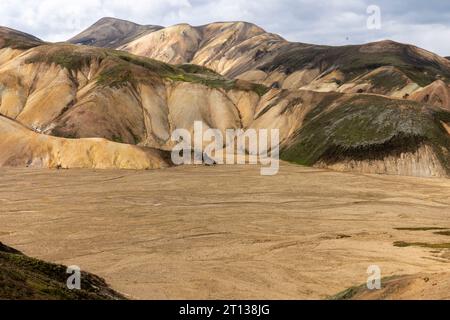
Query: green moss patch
[
  {"x": 126, "y": 71},
  {"x": 196, "y": 69},
  {"x": 117, "y": 76},
  {"x": 356, "y": 60},
  {"x": 70, "y": 57},
  {"x": 386, "y": 81},
  {"x": 353, "y": 292},
  {"x": 347, "y": 294},
  {"x": 367, "y": 127},
  {"x": 120, "y": 68},
  {"x": 25, "y": 278}
]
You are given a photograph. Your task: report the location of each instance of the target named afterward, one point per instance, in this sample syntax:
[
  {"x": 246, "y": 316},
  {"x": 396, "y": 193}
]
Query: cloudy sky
[{"x": 333, "y": 22}]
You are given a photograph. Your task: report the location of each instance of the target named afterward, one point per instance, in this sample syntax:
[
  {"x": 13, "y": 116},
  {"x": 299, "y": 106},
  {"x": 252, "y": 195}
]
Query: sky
[{"x": 333, "y": 22}]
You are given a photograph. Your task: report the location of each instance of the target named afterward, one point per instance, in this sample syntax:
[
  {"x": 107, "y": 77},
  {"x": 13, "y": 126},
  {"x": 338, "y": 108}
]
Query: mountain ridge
[
  {"x": 242, "y": 78},
  {"x": 211, "y": 44},
  {"x": 112, "y": 32}
]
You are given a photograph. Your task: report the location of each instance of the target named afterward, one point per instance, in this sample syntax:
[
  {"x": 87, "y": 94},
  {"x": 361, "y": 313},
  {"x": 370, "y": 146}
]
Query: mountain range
[{"x": 111, "y": 96}]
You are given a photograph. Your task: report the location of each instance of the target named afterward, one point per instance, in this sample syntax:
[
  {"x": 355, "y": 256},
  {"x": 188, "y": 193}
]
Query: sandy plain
[{"x": 226, "y": 232}]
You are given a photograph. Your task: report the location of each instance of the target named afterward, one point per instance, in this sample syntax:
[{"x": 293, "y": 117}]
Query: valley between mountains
[{"x": 364, "y": 144}]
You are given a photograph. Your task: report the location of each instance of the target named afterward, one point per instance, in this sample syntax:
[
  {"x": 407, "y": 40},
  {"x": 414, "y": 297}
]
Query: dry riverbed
[{"x": 226, "y": 232}]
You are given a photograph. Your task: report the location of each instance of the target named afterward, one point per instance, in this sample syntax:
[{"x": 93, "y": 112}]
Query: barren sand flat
[{"x": 226, "y": 232}]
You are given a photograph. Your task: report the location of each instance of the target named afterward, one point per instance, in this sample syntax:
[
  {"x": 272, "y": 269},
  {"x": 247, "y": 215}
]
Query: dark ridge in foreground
[
  {"x": 25, "y": 278},
  {"x": 403, "y": 287}
]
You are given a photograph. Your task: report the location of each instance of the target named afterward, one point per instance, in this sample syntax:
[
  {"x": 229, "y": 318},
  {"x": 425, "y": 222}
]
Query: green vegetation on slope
[
  {"x": 24, "y": 278},
  {"x": 369, "y": 127},
  {"x": 188, "y": 73},
  {"x": 356, "y": 291},
  {"x": 196, "y": 69},
  {"x": 357, "y": 60},
  {"x": 388, "y": 80},
  {"x": 70, "y": 57},
  {"x": 120, "y": 68}
]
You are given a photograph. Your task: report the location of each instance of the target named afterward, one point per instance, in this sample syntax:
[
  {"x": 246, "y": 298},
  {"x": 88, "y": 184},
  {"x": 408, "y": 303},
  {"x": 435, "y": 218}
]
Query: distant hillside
[
  {"x": 112, "y": 33},
  {"x": 244, "y": 50},
  {"x": 373, "y": 134},
  {"x": 17, "y": 40}
]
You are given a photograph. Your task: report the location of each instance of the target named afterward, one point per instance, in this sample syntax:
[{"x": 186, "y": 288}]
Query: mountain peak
[
  {"x": 112, "y": 32},
  {"x": 113, "y": 19}
]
